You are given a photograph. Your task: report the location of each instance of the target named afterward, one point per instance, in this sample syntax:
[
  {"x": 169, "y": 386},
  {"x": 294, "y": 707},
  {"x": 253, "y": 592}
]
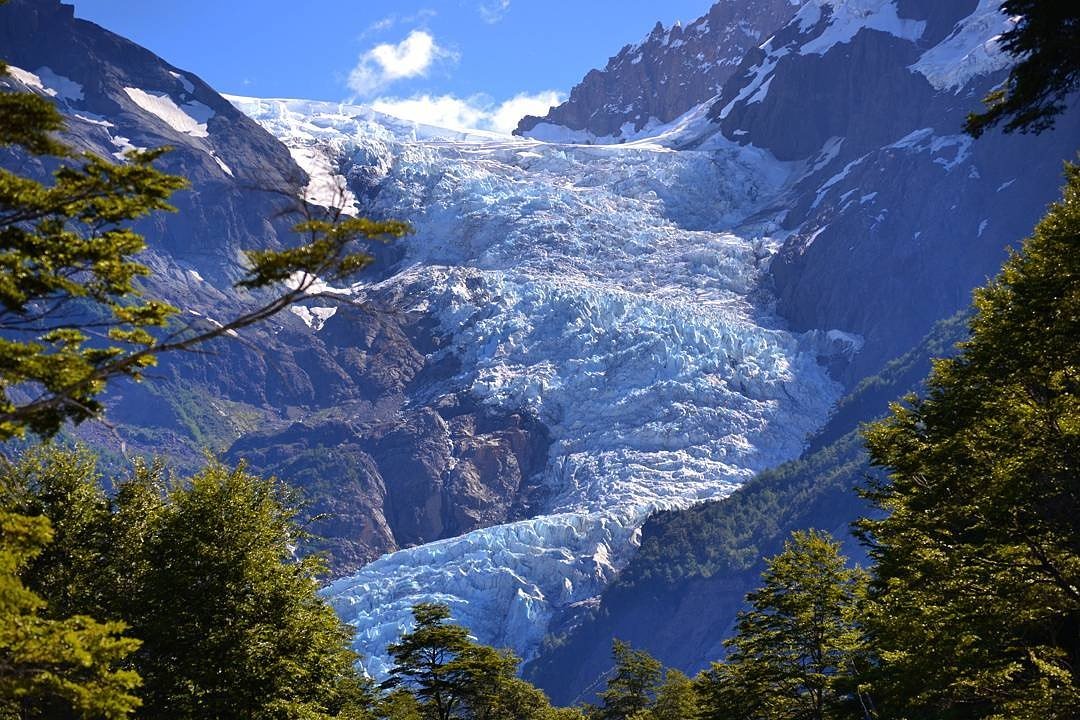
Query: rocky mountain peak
[{"x": 658, "y": 79}]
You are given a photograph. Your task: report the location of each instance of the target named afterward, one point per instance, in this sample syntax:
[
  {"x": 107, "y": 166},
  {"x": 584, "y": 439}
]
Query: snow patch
[
  {"x": 190, "y": 118},
  {"x": 846, "y": 18},
  {"x": 313, "y": 317},
  {"x": 46, "y": 82},
  {"x": 188, "y": 86},
  {"x": 123, "y": 146},
  {"x": 221, "y": 164},
  {"x": 326, "y": 187},
  {"x": 971, "y": 51}
]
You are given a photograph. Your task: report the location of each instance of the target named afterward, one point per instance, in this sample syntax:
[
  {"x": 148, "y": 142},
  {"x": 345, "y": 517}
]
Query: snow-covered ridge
[
  {"x": 970, "y": 51},
  {"x": 844, "y": 19},
  {"x": 610, "y": 291}
]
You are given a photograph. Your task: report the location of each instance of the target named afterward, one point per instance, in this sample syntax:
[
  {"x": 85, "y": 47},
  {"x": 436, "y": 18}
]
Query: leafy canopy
[
  {"x": 202, "y": 572},
  {"x": 976, "y": 606},
  {"x": 797, "y": 650},
  {"x": 65, "y": 665}
]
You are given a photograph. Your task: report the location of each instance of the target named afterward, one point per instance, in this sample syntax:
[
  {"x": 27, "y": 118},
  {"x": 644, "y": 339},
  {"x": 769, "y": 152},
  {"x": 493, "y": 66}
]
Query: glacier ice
[{"x": 611, "y": 290}]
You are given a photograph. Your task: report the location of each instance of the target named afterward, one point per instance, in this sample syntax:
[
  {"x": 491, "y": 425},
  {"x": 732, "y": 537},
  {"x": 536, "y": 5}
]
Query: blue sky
[{"x": 471, "y": 63}]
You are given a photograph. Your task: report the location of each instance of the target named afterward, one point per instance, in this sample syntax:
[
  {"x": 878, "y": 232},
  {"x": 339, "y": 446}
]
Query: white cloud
[
  {"x": 478, "y": 112},
  {"x": 380, "y": 25},
  {"x": 387, "y": 63},
  {"x": 444, "y": 111},
  {"x": 492, "y": 11},
  {"x": 509, "y": 113},
  {"x": 420, "y": 17}
]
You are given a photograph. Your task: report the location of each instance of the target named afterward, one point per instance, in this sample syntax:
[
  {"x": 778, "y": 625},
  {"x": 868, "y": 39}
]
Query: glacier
[{"x": 613, "y": 291}]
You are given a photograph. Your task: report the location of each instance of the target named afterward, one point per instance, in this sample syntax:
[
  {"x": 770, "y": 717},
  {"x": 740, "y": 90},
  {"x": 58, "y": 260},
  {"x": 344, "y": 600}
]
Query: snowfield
[{"x": 611, "y": 290}]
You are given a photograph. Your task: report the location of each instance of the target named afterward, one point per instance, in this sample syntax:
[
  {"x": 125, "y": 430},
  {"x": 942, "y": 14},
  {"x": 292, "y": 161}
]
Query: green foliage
[
  {"x": 448, "y": 675},
  {"x": 1044, "y": 42},
  {"x": 677, "y": 699},
  {"x": 796, "y": 651},
  {"x": 68, "y": 666},
  {"x": 975, "y": 602},
  {"x": 631, "y": 687},
  {"x": 203, "y": 573},
  {"x": 72, "y": 314}
]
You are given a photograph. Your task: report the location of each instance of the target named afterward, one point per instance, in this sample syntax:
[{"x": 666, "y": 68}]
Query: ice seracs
[{"x": 609, "y": 290}]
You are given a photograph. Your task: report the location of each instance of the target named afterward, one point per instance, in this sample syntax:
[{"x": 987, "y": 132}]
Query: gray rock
[{"x": 667, "y": 73}]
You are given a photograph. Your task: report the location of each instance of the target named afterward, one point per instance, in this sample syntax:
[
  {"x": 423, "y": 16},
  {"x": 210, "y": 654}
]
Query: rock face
[
  {"x": 890, "y": 218},
  {"x": 657, "y": 80},
  {"x": 339, "y": 400},
  {"x": 406, "y": 479},
  {"x": 902, "y": 214},
  {"x": 116, "y": 96}
]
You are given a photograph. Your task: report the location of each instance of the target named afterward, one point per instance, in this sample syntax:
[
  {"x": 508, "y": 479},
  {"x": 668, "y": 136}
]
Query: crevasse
[{"x": 614, "y": 292}]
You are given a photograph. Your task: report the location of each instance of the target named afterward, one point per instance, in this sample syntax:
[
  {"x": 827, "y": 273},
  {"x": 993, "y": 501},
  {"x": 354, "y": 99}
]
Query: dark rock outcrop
[
  {"x": 667, "y": 73},
  {"x": 900, "y": 214},
  {"x": 379, "y": 484}
]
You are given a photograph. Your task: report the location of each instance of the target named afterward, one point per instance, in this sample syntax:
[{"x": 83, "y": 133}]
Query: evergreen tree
[
  {"x": 399, "y": 704},
  {"x": 203, "y": 572},
  {"x": 451, "y": 676},
  {"x": 67, "y": 667},
  {"x": 1045, "y": 42},
  {"x": 797, "y": 648},
  {"x": 429, "y": 660},
  {"x": 231, "y": 622},
  {"x": 676, "y": 699},
  {"x": 631, "y": 688},
  {"x": 976, "y": 606}
]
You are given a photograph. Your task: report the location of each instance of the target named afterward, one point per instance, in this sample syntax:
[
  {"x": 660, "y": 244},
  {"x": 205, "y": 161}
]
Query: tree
[
  {"x": 451, "y": 676},
  {"x": 676, "y": 699},
  {"x": 632, "y": 687},
  {"x": 1045, "y": 42},
  {"x": 72, "y": 314},
  {"x": 429, "y": 660},
  {"x": 67, "y": 666},
  {"x": 796, "y": 650},
  {"x": 203, "y": 572},
  {"x": 976, "y": 606}
]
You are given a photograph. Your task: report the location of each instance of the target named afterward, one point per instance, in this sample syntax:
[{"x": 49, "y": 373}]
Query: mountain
[
  {"x": 905, "y": 214},
  {"x": 319, "y": 394},
  {"x": 582, "y": 333},
  {"x": 658, "y": 79},
  {"x": 630, "y": 295},
  {"x": 610, "y": 293},
  {"x": 896, "y": 217}
]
